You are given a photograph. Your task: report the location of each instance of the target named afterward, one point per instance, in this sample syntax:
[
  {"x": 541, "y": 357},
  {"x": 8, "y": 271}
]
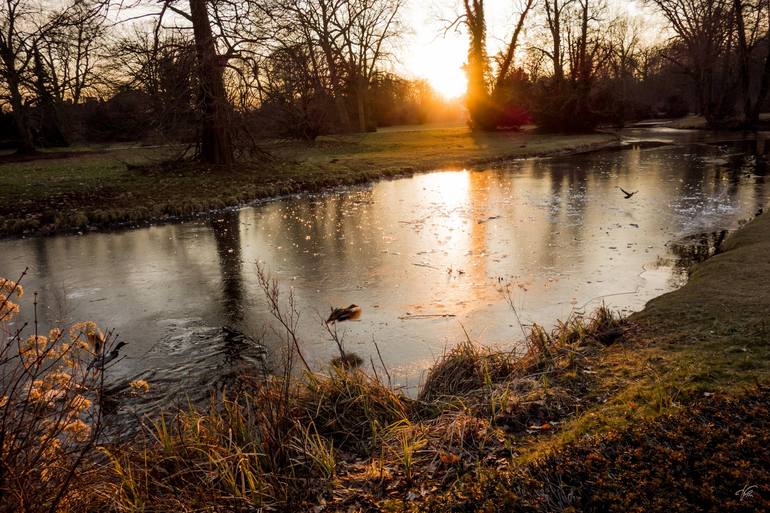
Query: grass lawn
[{"x": 119, "y": 185}]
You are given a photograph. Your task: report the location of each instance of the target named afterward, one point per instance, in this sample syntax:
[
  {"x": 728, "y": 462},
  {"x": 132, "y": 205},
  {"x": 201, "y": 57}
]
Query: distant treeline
[
  {"x": 139, "y": 113},
  {"x": 226, "y": 74}
]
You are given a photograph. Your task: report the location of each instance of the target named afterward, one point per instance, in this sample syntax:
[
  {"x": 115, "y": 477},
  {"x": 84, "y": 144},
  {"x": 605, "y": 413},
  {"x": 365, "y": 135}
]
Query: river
[{"x": 425, "y": 257}]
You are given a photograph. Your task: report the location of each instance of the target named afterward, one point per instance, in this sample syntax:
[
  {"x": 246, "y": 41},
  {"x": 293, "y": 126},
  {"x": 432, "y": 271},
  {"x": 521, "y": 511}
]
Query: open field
[{"x": 130, "y": 186}]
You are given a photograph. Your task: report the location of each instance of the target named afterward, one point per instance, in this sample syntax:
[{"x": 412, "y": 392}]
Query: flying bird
[
  {"x": 350, "y": 313},
  {"x": 628, "y": 194}
]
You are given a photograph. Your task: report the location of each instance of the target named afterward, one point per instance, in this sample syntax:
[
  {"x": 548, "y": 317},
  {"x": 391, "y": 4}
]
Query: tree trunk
[
  {"x": 764, "y": 85},
  {"x": 477, "y": 95},
  {"x": 339, "y": 100},
  {"x": 216, "y": 141},
  {"x": 25, "y": 145},
  {"x": 553, "y": 15},
  {"x": 511, "y": 50},
  {"x": 342, "y": 112},
  {"x": 743, "y": 62},
  {"x": 361, "y": 101},
  {"x": 51, "y": 133},
  {"x": 584, "y": 67}
]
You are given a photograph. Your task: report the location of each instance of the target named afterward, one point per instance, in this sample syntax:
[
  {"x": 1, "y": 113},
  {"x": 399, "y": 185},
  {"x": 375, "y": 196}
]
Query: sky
[{"x": 428, "y": 51}]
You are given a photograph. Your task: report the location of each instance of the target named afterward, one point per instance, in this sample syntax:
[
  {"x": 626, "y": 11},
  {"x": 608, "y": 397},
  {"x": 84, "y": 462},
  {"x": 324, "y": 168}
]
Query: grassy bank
[
  {"x": 108, "y": 187},
  {"x": 711, "y": 335},
  {"x": 677, "y": 416}
]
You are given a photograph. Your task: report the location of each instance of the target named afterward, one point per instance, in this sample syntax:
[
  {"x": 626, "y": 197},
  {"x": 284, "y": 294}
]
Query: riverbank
[
  {"x": 664, "y": 411},
  {"x": 135, "y": 186}
]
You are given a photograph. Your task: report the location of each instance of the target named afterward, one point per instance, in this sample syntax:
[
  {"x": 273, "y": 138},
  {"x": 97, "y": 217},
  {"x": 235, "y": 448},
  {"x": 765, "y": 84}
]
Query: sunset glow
[
  {"x": 429, "y": 51},
  {"x": 440, "y": 61},
  {"x": 449, "y": 82}
]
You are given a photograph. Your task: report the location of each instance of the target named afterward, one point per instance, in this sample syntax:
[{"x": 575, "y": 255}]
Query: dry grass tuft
[
  {"x": 469, "y": 367},
  {"x": 252, "y": 450},
  {"x": 350, "y": 407},
  {"x": 348, "y": 360},
  {"x": 465, "y": 368}
]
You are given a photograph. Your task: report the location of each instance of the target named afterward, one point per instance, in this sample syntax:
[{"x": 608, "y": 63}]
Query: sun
[
  {"x": 440, "y": 61},
  {"x": 448, "y": 82}
]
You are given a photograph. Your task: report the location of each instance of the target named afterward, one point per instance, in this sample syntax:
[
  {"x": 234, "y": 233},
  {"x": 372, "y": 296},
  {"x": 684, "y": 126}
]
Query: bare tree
[
  {"x": 161, "y": 66},
  {"x": 719, "y": 40},
  {"x": 554, "y": 15},
  {"x": 513, "y": 45},
  {"x": 22, "y": 25},
  {"x": 484, "y": 104},
  {"x": 216, "y": 145},
  {"x": 71, "y": 53},
  {"x": 26, "y": 29},
  {"x": 372, "y": 23},
  {"x": 764, "y": 82},
  {"x": 624, "y": 47},
  {"x": 477, "y": 67},
  {"x": 588, "y": 51},
  {"x": 345, "y": 42},
  {"x": 319, "y": 25},
  {"x": 293, "y": 104},
  {"x": 215, "y": 138},
  {"x": 49, "y": 125},
  {"x": 705, "y": 29}
]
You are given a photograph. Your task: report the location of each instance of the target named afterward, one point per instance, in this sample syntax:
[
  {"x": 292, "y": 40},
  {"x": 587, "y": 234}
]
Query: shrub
[{"x": 49, "y": 408}]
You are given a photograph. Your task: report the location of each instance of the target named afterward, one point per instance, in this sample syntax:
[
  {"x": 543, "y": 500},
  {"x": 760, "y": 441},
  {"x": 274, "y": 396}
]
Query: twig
[
  {"x": 390, "y": 381},
  {"x": 509, "y": 299},
  {"x": 335, "y": 337},
  {"x": 272, "y": 293},
  {"x": 425, "y": 316},
  {"x": 374, "y": 368}
]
